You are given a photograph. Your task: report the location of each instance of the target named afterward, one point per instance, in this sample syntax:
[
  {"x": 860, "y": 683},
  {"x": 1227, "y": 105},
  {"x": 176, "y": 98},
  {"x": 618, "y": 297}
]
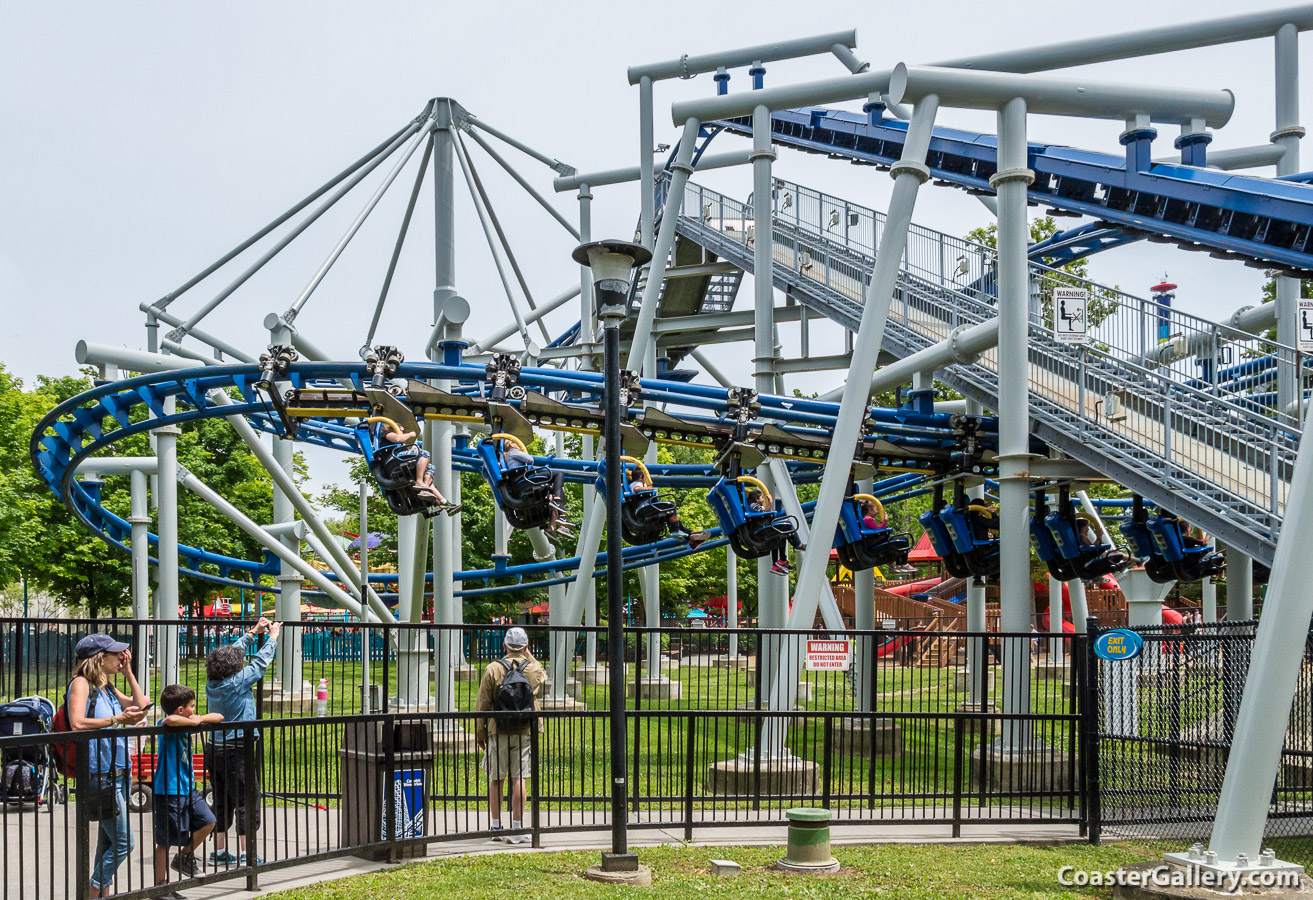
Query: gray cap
[
  {"x": 95, "y": 644},
  {"x": 516, "y": 637}
]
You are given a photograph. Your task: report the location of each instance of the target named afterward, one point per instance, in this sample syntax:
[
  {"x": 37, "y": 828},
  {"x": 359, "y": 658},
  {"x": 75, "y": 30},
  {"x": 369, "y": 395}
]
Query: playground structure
[{"x": 1180, "y": 410}]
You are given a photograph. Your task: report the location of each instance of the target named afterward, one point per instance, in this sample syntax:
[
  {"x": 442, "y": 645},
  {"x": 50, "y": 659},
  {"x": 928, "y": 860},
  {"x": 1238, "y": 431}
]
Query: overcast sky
[{"x": 142, "y": 140}]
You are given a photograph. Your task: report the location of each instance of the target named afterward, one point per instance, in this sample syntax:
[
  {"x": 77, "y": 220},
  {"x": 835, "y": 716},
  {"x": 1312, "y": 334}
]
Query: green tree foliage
[
  {"x": 1102, "y": 301},
  {"x": 61, "y": 555}
]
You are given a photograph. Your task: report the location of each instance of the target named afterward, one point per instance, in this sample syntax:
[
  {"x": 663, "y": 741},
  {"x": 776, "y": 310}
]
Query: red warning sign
[{"x": 829, "y": 655}]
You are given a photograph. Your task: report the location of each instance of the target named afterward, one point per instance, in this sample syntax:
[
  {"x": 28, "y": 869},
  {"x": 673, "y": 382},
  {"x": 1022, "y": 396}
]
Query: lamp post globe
[{"x": 612, "y": 264}]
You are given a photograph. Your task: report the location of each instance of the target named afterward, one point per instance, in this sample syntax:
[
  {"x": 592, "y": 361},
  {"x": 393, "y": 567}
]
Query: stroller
[{"x": 27, "y": 772}]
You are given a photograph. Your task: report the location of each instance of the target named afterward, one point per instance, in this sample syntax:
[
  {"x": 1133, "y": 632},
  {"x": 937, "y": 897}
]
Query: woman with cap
[{"x": 93, "y": 702}]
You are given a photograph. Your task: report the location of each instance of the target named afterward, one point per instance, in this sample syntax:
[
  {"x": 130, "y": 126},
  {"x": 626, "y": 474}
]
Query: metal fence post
[
  {"x": 959, "y": 737},
  {"x": 827, "y": 762},
  {"x": 252, "y": 763},
  {"x": 534, "y": 810},
  {"x": 387, "y": 669},
  {"x": 690, "y": 750},
  {"x": 82, "y": 824},
  {"x": 1089, "y": 769},
  {"x": 387, "y": 789}
]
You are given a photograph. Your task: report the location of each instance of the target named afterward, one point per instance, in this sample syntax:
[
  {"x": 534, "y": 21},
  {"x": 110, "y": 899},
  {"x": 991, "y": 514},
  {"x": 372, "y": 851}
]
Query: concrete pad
[
  {"x": 881, "y": 738},
  {"x": 962, "y": 682},
  {"x": 591, "y": 675},
  {"x": 640, "y": 877},
  {"x": 742, "y": 663},
  {"x": 465, "y": 673},
  {"x": 1005, "y": 771},
  {"x": 566, "y": 703},
  {"x": 825, "y": 868},
  {"x": 726, "y": 868},
  {"x": 453, "y": 739},
  {"x": 655, "y": 689},
  {"x": 778, "y": 776}
]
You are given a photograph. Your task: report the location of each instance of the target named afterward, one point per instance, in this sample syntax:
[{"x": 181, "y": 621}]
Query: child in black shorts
[{"x": 182, "y": 818}]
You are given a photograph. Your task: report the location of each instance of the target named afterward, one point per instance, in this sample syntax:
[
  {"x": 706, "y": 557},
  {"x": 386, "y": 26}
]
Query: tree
[
  {"x": 61, "y": 555},
  {"x": 1102, "y": 301}
]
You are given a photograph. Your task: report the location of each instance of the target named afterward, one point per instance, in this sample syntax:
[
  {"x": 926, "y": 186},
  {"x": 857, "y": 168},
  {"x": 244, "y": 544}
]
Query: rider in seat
[
  {"x": 779, "y": 562},
  {"x": 638, "y": 482},
  {"x": 391, "y": 438},
  {"x": 513, "y": 457}
]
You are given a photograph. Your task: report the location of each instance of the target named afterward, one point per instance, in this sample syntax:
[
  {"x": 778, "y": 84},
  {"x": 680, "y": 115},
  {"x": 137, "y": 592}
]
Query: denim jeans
[{"x": 115, "y": 840}]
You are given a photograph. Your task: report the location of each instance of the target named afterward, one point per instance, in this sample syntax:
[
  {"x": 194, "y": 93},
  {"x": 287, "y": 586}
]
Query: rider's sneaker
[
  {"x": 451, "y": 508},
  {"x": 697, "y": 539},
  {"x": 781, "y": 568}
]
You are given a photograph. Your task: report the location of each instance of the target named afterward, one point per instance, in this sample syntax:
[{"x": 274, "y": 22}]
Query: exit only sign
[{"x": 829, "y": 655}]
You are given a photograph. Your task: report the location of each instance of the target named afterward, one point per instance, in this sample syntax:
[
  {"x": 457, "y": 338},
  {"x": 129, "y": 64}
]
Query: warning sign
[
  {"x": 829, "y": 655},
  {"x": 1070, "y": 323},
  {"x": 1304, "y": 327}
]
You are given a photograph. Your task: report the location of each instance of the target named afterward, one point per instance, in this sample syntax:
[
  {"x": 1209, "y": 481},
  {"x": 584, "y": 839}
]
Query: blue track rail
[
  {"x": 1266, "y": 222},
  {"x": 110, "y": 412}
]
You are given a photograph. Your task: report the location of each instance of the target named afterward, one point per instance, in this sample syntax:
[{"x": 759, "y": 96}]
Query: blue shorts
[{"x": 179, "y": 816}]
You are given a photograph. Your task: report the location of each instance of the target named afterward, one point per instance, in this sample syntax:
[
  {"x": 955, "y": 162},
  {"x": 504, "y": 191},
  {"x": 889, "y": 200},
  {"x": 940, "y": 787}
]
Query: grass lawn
[{"x": 889, "y": 871}]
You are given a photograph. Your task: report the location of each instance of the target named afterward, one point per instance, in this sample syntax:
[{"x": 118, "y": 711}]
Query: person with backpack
[
  {"x": 509, "y": 688},
  {"x": 92, "y": 702}
]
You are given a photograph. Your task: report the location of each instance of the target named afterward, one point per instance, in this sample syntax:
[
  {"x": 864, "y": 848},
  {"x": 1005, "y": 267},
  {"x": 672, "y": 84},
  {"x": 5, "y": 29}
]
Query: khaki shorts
[{"x": 507, "y": 756}]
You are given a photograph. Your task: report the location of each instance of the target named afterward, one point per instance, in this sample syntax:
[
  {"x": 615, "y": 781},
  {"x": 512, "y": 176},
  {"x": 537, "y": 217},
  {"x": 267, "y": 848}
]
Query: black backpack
[{"x": 514, "y": 701}]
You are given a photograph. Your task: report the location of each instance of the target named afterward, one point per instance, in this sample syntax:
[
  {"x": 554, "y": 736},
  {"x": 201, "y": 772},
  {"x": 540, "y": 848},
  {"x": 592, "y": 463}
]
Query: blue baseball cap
[{"x": 95, "y": 644}]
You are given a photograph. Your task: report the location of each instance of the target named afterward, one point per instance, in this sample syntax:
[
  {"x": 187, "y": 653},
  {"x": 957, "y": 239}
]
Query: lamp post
[{"x": 613, "y": 263}]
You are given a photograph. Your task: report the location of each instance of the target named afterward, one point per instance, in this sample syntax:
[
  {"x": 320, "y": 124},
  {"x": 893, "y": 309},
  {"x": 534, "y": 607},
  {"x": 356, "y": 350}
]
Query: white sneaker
[
  {"x": 520, "y": 839},
  {"x": 497, "y": 836}
]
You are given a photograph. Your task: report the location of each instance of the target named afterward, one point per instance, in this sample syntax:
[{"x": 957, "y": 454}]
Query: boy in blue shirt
[{"x": 182, "y": 818}]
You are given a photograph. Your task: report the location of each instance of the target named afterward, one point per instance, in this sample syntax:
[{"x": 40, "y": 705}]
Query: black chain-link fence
[{"x": 1166, "y": 720}]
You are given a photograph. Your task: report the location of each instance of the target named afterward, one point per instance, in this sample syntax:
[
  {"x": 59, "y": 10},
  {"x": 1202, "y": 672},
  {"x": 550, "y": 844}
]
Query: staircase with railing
[{"x": 1152, "y": 401}]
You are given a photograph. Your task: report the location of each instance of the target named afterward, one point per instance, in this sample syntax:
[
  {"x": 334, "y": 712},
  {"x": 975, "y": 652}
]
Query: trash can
[{"x": 371, "y": 775}]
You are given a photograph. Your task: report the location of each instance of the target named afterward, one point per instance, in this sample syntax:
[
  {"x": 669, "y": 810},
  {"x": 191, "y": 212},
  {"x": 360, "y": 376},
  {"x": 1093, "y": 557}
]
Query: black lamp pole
[{"x": 612, "y": 262}]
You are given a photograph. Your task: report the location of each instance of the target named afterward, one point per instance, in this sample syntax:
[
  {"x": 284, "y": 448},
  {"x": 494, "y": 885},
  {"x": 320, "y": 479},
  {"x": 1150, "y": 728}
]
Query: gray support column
[
  {"x": 732, "y": 599},
  {"x": 365, "y": 633},
  {"x": 166, "y": 588},
  {"x": 977, "y": 656},
  {"x": 412, "y": 648},
  {"x": 1010, "y": 183},
  {"x": 1055, "y": 621},
  {"x": 646, "y": 148},
  {"x": 772, "y": 590},
  {"x": 651, "y": 575},
  {"x": 139, "y": 519},
  {"x": 458, "y": 550},
  {"x": 864, "y": 620},
  {"x": 1208, "y": 599},
  {"x": 909, "y": 174},
  {"x": 288, "y": 606},
  {"x": 1286, "y": 136},
  {"x": 588, "y": 362},
  {"x": 680, "y": 170},
  {"x": 1260, "y": 729},
  {"x": 1239, "y": 585},
  {"x": 1080, "y": 609},
  {"x": 438, "y": 438}
]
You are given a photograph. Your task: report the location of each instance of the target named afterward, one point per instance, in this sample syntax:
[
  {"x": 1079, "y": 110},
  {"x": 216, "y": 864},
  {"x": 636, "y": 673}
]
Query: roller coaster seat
[
  {"x": 644, "y": 514},
  {"x": 751, "y": 534},
  {"x": 522, "y": 492},
  {"x": 1042, "y": 540},
  {"x": 393, "y": 469},
  {"x": 943, "y": 544},
  {"x": 1189, "y": 563},
  {"x": 1088, "y": 561},
  {"x": 969, "y": 531},
  {"x": 862, "y": 547}
]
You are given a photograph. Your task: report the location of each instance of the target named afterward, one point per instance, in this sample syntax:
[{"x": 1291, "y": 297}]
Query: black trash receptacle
[{"x": 368, "y": 780}]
